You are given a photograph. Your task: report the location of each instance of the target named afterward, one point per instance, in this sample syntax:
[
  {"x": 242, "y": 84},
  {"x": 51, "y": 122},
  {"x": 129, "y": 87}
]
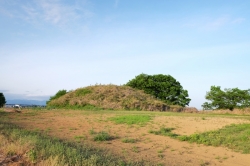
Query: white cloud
[
  {"x": 31, "y": 13},
  {"x": 51, "y": 11},
  {"x": 212, "y": 24},
  {"x": 56, "y": 12}
]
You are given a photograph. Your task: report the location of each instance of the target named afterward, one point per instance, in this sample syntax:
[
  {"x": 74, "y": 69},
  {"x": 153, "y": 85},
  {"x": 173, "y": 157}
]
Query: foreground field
[{"x": 129, "y": 134}]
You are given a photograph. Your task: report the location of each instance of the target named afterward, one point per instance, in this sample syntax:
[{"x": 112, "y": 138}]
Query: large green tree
[
  {"x": 227, "y": 99},
  {"x": 163, "y": 87},
  {"x": 2, "y": 100}
]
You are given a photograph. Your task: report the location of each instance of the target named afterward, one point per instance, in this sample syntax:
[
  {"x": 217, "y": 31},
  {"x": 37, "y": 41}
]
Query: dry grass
[
  {"x": 18, "y": 147},
  {"x": 110, "y": 97},
  {"x": 244, "y": 111},
  {"x": 55, "y": 161},
  {"x": 14, "y": 151},
  {"x": 132, "y": 142}
]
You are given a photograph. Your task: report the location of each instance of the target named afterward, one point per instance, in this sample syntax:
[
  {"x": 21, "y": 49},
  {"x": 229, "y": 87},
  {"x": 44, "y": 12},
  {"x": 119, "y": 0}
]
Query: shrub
[
  {"x": 102, "y": 136},
  {"x": 57, "y": 95},
  {"x": 2, "y": 100}
]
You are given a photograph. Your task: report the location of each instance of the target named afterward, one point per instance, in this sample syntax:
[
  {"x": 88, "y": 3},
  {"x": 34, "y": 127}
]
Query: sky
[{"x": 49, "y": 45}]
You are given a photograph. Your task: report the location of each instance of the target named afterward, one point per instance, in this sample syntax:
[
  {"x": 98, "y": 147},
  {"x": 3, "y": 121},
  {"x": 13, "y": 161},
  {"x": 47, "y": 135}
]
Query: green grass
[
  {"x": 82, "y": 92},
  {"x": 135, "y": 149},
  {"x": 3, "y": 113},
  {"x": 76, "y": 107},
  {"x": 165, "y": 132},
  {"x": 92, "y": 132},
  {"x": 129, "y": 140},
  {"x": 80, "y": 138},
  {"x": 103, "y": 136},
  {"x": 236, "y": 137},
  {"x": 131, "y": 119}
]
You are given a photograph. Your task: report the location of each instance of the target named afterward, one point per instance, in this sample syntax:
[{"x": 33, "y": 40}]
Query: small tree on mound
[
  {"x": 57, "y": 95},
  {"x": 227, "y": 99},
  {"x": 2, "y": 100},
  {"x": 163, "y": 87}
]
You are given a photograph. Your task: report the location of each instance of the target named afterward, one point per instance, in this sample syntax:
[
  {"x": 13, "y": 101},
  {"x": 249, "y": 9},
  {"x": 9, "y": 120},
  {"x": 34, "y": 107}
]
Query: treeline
[{"x": 168, "y": 90}]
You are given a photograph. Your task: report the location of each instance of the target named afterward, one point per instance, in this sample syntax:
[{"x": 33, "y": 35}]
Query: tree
[
  {"x": 57, "y": 95},
  {"x": 163, "y": 87},
  {"x": 2, "y": 100},
  {"x": 227, "y": 99}
]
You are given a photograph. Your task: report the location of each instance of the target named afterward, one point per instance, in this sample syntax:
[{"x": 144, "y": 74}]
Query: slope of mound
[{"x": 109, "y": 97}]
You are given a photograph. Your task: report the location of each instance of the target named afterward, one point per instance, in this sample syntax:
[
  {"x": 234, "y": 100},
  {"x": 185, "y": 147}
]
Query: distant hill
[
  {"x": 110, "y": 97},
  {"x": 29, "y": 102}
]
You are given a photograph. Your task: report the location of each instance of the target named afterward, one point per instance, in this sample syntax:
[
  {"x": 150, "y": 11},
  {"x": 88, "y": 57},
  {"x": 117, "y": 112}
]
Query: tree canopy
[
  {"x": 57, "y": 95},
  {"x": 163, "y": 87},
  {"x": 227, "y": 99},
  {"x": 2, "y": 100}
]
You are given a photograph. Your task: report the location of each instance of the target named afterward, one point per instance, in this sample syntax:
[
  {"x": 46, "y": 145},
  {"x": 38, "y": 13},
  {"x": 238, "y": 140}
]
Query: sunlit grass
[
  {"x": 131, "y": 119},
  {"x": 235, "y": 136}
]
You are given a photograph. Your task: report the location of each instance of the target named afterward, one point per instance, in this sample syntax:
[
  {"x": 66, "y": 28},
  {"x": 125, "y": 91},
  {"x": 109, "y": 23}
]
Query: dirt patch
[
  {"x": 163, "y": 150},
  {"x": 191, "y": 125}
]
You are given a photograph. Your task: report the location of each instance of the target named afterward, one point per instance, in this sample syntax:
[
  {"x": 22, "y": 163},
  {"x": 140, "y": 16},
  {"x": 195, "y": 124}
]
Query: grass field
[{"x": 106, "y": 137}]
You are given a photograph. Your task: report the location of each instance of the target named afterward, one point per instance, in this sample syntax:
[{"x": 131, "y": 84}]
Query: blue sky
[{"x": 48, "y": 45}]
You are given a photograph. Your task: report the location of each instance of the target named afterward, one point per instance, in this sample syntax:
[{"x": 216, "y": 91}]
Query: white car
[{"x": 17, "y": 106}]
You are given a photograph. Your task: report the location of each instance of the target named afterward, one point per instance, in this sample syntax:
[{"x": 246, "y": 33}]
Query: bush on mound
[{"x": 109, "y": 97}]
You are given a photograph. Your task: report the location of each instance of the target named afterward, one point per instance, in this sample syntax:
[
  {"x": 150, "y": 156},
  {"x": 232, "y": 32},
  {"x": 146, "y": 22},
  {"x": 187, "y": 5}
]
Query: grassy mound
[{"x": 109, "y": 97}]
